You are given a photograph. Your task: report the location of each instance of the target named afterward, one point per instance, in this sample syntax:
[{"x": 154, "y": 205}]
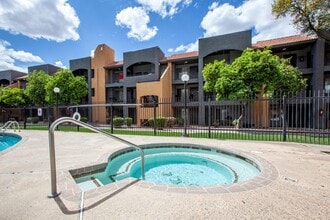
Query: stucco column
[{"x": 318, "y": 65}]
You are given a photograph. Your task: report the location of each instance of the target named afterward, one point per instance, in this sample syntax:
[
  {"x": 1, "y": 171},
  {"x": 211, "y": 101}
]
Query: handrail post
[
  {"x": 54, "y": 192},
  {"x": 209, "y": 115}
]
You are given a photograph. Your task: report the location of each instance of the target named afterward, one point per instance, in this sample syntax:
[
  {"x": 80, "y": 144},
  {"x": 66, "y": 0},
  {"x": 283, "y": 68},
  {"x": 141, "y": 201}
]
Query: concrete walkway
[{"x": 300, "y": 191}]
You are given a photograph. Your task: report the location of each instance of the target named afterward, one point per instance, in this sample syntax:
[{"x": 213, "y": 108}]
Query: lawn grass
[{"x": 222, "y": 135}]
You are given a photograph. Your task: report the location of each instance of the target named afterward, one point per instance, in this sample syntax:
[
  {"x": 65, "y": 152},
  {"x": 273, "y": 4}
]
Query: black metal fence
[{"x": 303, "y": 117}]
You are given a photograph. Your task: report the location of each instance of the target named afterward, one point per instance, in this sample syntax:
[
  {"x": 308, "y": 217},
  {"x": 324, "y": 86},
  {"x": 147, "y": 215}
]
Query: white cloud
[
  {"x": 52, "y": 20},
  {"x": 136, "y": 19},
  {"x": 252, "y": 14},
  {"x": 164, "y": 7},
  {"x": 60, "y": 64},
  {"x": 257, "y": 14},
  {"x": 185, "y": 48},
  {"x": 224, "y": 18},
  {"x": 9, "y": 56},
  {"x": 92, "y": 53}
]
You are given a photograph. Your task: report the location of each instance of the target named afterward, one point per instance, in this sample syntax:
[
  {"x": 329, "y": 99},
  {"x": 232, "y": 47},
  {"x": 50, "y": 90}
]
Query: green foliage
[
  {"x": 128, "y": 121},
  {"x": 33, "y": 120},
  {"x": 119, "y": 121},
  {"x": 12, "y": 97},
  {"x": 72, "y": 89},
  {"x": 160, "y": 122},
  {"x": 170, "y": 122},
  {"x": 179, "y": 121},
  {"x": 35, "y": 87},
  {"x": 84, "y": 119},
  {"x": 254, "y": 72},
  {"x": 310, "y": 16}
]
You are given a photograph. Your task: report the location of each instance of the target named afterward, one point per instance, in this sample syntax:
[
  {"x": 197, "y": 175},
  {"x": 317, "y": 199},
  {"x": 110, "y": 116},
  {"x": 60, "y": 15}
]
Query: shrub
[
  {"x": 84, "y": 119},
  {"x": 179, "y": 121},
  {"x": 128, "y": 121},
  {"x": 170, "y": 122},
  {"x": 33, "y": 120},
  {"x": 160, "y": 122},
  {"x": 118, "y": 121}
]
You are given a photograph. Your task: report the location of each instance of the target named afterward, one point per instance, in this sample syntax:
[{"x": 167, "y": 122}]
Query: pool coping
[{"x": 71, "y": 194}]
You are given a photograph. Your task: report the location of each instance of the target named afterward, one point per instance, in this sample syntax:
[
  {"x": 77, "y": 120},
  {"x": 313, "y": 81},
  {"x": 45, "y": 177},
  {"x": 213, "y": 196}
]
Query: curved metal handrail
[
  {"x": 9, "y": 123},
  {"x": 59, "y": 121}
]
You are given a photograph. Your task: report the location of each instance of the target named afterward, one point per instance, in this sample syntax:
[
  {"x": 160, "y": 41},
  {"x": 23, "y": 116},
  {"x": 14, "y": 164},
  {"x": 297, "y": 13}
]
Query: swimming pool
[
  {"x": 8, "y": 140},
  {"x": 176, "y": 164}
]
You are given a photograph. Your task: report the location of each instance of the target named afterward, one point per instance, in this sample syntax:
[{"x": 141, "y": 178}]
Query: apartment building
[{"x": 147, "y": 75}]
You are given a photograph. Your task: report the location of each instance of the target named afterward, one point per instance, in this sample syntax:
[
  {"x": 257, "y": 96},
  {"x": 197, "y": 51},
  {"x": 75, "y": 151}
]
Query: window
[
  {"x": 293, "y": 59},
  {"x": 179, "y": 71},
  {"x": 140, "y": 69},
  {"x": 149, "y": 100},
  {"x": 193, "y": 94},
  {"x": 327, "y": 84},
  {"x": 193, "y": 72},
  {"x": 309, "y": 60},
  {"x": 92, "y": 73},
  {"x": 93, "y": 92},
  {"x": 116, "y": 76}
]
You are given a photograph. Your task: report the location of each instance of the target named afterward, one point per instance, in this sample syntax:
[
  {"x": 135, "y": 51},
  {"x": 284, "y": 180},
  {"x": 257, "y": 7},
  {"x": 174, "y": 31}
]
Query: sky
[{"x": 35, "y": 32}]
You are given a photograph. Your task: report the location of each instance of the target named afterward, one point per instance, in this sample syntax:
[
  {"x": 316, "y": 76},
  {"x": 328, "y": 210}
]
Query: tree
[
  {"x": 254, "y": 72},
  {"x": 35, "y": 87},
  {"x": 72, "y": 89},
  {"x": 12, "y": 97},
  {"x": 310, "y": 16}
]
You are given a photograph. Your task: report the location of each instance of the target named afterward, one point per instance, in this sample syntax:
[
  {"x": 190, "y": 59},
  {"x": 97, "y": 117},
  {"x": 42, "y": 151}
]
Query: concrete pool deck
[{"x": 300, "y": 190}]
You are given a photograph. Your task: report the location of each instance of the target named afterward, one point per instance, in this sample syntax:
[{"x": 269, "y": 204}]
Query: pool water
[
  {"x": 184, "y": 170},
  {"x": 178, "y": 166},
  {"x": 6, "y": 141}
]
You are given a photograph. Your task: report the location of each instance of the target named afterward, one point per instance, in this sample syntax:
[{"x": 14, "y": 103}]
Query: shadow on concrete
[{"x": 66, "y": 211}]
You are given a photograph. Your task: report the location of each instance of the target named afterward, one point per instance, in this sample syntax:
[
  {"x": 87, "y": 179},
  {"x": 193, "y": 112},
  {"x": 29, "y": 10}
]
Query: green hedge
[
  {"x": 160, "y": 122},
  {"x": 119, "y": 121},
  {"x": 84, "y": 119},
  {"x": 128, "y": 121},
  {"x": 179, "y": 121},
  {"x": 170, "y": 122}
]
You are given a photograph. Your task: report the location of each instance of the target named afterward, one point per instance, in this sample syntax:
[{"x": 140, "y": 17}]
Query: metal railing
[
  {"x": 59, "y": 121},
  {"x": 10, "y": 123},
  {"x": 303, "y": 117}
]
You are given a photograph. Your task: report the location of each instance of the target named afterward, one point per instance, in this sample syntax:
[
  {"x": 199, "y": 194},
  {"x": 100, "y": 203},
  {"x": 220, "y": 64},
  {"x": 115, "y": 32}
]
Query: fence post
[
  {"x": 209, "y": 115},
  {"x": 3, "y": 111},
  {"x": 24, "y": 124},
  {"x": 111, "y": 118},
  {"x": 284, "y": 118},
  {"x": 155, "y": 117},
  {"x": 77, "y": 125}
]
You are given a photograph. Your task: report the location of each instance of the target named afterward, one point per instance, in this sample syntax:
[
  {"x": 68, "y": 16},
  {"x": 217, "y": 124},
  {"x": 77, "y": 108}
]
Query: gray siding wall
[{"x": 234, "y": 42}]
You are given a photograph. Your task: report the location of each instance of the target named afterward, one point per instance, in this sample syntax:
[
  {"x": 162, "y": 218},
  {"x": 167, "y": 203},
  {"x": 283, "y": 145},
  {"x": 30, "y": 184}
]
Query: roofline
[
  {"x": 194, "y": 54},
  {"x": 308, "y": 40}
]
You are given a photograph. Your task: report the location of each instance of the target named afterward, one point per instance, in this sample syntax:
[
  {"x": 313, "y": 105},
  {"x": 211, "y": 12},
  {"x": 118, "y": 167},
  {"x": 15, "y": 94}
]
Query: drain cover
[{"x": 290, "y": 179}]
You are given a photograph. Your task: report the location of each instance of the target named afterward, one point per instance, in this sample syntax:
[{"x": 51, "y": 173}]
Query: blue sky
[{"x": 34, "y": 32}]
